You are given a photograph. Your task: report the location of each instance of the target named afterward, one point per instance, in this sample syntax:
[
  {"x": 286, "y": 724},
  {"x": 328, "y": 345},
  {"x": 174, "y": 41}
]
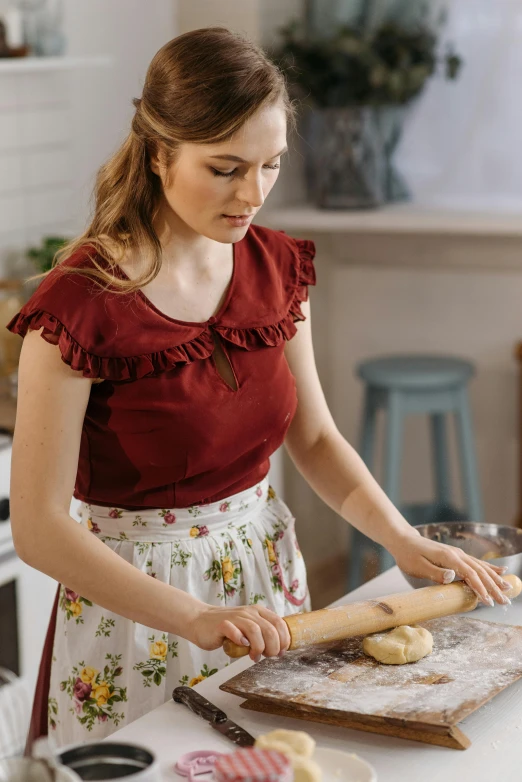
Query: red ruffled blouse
[{"x": 165, "y": 430}]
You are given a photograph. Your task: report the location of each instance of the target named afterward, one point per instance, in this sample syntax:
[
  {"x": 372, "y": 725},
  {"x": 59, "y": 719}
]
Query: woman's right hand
[{"x": 255, "y": 626}]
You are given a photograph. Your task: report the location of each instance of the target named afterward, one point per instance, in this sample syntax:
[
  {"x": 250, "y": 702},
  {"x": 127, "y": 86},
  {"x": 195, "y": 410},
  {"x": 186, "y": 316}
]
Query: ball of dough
[
  {"x": 297, "y": 741},
  {"x": 404, "y": 644}
]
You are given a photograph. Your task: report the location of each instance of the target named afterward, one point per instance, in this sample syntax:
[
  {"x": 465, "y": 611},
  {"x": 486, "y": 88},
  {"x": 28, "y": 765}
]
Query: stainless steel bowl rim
[
  {"x": 499, "y": 535},
  {"x": 108, "y": 752}
]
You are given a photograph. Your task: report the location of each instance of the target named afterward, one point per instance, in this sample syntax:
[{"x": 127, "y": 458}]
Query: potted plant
[
  {"x": 43, "y": 255},
  {"x": 356, "y": 82}
]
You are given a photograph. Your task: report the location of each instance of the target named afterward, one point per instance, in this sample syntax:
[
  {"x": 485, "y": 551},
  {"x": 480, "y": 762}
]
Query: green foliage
[
  {"x": 43, "y": 256},
  {"x": 389, "y": 64}
]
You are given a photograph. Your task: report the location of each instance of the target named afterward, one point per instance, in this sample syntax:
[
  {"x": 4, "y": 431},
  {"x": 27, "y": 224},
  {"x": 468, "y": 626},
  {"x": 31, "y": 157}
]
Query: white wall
[
  {"x": 461, "y": 145},
  {"x": 131, "y": 31},
  {"x": 34, "y": 157},
  {"x": 56, "y": 128}
]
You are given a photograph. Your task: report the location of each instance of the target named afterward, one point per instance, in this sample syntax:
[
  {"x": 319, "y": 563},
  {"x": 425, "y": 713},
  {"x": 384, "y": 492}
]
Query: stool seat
[{"x": 415, "y": 372}]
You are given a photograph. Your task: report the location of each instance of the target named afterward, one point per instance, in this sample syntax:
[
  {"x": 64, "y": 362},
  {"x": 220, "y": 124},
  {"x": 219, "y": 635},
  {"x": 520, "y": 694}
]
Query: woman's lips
[{"x": 238, "y": 220}]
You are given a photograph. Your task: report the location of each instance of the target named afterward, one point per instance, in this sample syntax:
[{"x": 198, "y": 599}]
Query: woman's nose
[{"x": 251, "y": 192}]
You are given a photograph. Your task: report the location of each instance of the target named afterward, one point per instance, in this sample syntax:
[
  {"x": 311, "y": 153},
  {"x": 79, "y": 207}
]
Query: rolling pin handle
[
  {"x": 234, "y": 650},
  {"x": 516, "y": 586}
]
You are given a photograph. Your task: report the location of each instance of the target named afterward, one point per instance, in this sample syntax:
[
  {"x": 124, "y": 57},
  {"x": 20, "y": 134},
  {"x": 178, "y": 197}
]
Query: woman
[{"x": 171, "y": 368}]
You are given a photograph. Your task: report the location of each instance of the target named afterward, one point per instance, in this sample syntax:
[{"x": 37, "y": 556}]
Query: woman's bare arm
[
  {"x": 337, "y": 473},
  {"x": 52, "y": 400}
]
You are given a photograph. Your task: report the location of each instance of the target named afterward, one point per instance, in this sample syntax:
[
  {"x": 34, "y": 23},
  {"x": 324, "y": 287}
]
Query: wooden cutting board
[{"x": 338, "y": 684}]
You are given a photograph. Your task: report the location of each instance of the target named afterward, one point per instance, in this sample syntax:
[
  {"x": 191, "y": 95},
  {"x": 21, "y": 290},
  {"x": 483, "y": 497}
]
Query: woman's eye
[{"x": 231, "y": 173}]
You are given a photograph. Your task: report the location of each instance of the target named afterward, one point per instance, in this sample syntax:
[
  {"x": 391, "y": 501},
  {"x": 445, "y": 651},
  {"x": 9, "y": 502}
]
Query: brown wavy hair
[{"x": 200, "y": 88}]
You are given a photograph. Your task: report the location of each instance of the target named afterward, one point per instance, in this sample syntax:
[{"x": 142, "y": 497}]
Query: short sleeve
[
  {"x": 104, "y": 334},
  {"x": 56, "y": 308},
  {"x": 305, "y": 254}
]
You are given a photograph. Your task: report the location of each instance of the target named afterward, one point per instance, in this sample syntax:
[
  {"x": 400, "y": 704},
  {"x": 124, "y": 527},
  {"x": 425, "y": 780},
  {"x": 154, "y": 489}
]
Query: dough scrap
[
  {"x": 306, "y": 769},
  {"x": 404, "y": 644},
  {"x": 297, "y": 741},
  {"x": 298, "y": 747}
]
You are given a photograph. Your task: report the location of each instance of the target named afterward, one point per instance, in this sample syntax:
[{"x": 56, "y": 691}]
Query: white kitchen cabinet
[{"x": 33, "y": 591}]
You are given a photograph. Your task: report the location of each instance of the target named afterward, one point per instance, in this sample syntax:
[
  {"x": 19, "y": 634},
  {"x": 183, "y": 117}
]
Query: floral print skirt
[{"x": 106, "y": 670}]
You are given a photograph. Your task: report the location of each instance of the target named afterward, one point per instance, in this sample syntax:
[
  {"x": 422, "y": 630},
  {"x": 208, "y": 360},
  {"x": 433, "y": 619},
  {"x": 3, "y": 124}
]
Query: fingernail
[
  {"x": 505, "y": 585},
  {"x": 257, "y": 659},
  {"x": 506, "y": 600},
  {"x": 245, "y": 641},
  {"x": 489, "y": 601},
  {"x": 503, "y": 569},
  {"x": 448, "y": 576},
  {"x": 281, "y": 653}
]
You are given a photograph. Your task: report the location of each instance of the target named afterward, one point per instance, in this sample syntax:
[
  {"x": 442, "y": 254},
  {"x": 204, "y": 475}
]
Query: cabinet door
[
  {"x": 35, "y": 596},
  {"x": 34, "y": 591}
]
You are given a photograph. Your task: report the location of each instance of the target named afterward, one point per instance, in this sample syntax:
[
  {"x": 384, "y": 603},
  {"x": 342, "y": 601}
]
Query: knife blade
[{"x": 214, "y": 716}]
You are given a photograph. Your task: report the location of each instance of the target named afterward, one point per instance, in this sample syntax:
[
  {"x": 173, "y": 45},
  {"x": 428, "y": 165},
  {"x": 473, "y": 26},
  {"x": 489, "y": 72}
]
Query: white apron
[{"x": 107, "y": 670}]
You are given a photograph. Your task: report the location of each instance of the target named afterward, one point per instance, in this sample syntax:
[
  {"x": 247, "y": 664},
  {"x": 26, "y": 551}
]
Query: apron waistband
[{"x": 170, "y": 524}]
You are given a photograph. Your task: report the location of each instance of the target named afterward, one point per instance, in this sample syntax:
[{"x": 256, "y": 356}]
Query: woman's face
[{"x": 202, "y": 185}]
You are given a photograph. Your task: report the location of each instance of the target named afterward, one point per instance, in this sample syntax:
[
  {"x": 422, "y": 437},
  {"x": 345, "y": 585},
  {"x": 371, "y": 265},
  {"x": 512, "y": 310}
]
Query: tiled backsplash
[{"x": 35, "y": 162}]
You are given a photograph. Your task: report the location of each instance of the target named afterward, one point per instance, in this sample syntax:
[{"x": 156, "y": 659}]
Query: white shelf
[
  {"x": 37, "y": 64},
  {"x": 408, "y": 218}
]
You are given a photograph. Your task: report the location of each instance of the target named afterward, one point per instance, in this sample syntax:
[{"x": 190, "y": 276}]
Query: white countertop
[{"x": 495, "y": 730}]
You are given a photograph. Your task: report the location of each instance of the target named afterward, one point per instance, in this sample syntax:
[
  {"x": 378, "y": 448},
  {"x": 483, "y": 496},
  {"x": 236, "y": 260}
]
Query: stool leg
[
  {"x": 440, "y": 458},
  {"x": 367, "y": 446},
  {"x": 470, "y": 480},
  {"x": 392, "y": 461},
  {"x": 393, "y": 448},
  {"x": 358, "y": 541}
]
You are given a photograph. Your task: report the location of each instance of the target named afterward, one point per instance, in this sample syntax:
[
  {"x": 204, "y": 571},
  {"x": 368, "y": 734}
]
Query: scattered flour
[{"x": 470, "y": 662}]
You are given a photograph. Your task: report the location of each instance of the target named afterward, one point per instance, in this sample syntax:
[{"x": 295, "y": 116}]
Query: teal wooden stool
[{"x": 404, "y": 385}]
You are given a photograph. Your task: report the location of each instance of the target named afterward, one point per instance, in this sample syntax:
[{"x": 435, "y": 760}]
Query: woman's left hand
[{"x": 441, "y": 563}]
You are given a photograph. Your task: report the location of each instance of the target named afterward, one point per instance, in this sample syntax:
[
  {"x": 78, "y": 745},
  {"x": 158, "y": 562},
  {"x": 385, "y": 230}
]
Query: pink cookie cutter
[{"x": 194, "y": 764}]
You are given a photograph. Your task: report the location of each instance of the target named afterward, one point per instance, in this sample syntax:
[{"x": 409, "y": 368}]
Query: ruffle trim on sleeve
[
  {"x": 254, "y": 337},
  {"x": 115, "y": 369},
  {"x": 306, "y": 276}
]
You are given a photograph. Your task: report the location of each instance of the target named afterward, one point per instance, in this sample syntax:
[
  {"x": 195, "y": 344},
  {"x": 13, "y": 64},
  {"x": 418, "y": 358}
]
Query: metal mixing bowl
[{"x": 498, "y": 544}]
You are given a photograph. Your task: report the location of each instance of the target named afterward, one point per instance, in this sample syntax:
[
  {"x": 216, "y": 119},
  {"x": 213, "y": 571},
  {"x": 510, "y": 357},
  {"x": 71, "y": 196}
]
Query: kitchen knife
[{"x": 217, "y": 718}]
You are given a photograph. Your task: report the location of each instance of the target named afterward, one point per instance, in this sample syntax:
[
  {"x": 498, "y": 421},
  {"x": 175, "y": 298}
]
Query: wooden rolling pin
[{"x": 383, "y": 613}]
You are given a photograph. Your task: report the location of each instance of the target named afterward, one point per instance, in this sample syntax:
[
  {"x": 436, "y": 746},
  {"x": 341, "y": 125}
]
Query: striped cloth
[{"x": 253, "y": 765}]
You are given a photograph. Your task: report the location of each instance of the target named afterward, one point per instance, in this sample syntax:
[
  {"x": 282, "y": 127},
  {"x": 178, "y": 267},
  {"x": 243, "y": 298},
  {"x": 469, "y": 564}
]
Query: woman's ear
[
  {"x": 157, "y": 160},
  {"x": 155, "y": 164}
]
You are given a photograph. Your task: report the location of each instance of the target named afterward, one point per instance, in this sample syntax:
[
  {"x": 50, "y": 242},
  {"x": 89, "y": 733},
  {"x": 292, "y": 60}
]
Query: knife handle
[{"x": 198, "y": 704}]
